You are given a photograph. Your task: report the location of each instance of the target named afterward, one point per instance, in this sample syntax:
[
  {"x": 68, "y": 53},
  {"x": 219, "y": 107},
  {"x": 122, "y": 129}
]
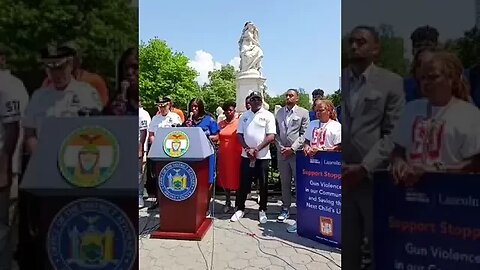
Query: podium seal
[
  {"x": 176, "y": 144},
  {"x": 177, "y": 181},
  {"x": 91, "y": 234},
  {"x": 88, "y": 157}
]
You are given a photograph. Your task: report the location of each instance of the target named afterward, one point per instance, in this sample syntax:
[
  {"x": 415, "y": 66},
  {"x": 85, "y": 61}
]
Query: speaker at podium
[
  {"x": 79, "y": 195},
  {"x": 181, "y": 159}
]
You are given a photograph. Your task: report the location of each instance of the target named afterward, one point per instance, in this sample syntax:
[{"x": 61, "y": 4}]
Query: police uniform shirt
[
  {"x": 160, "y": 121},
  {"x": 255, "y": 127},
  {"x": 49, "y": 102}
]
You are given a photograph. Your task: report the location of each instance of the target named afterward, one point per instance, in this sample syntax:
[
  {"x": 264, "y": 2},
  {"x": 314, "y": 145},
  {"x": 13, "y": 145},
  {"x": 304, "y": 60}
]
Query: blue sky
[{"x": 300, "y": 39}]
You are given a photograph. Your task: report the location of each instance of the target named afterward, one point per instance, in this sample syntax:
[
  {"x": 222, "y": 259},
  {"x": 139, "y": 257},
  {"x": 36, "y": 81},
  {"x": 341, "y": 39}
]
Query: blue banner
[
  {"x": 435, "y": 225},
  {"x": 319, "y": 197}
]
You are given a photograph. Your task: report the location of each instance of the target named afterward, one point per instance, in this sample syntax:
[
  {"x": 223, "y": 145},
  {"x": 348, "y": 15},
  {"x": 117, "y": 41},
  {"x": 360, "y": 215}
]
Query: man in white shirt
[
  {"x": 164, "y": 119},
  {"x": 256, "y": 130},
  {"x": 13, "y": 99},
  {"x": 66, "y": 97},
  {"x": 143, "y": 122}
]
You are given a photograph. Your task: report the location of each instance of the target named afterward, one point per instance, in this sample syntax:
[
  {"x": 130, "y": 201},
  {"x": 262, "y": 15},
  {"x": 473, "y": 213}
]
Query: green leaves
[
  {"x": 163, "y": 72},
  {"x": 102, "y": 30}
]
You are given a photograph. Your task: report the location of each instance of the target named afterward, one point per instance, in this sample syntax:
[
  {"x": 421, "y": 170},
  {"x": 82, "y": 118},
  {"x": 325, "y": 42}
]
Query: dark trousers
[{"x": 247, "y": 175}]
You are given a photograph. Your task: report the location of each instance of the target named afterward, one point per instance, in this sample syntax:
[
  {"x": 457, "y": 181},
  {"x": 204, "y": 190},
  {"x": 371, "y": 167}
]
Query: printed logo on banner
[
  {"x": 88, "y": 156},
  {"x": 177, "y": 181},
  {"x": 326, "y": 226},
  {"x": 91, "y": 234},
  {"x": 176, "y": 144}
]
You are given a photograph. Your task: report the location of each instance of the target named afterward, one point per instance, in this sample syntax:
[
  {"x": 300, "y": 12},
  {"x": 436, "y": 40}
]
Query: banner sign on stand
[
  {"x": 435, "y": 225},
  {"x": 319, "y": 197}
]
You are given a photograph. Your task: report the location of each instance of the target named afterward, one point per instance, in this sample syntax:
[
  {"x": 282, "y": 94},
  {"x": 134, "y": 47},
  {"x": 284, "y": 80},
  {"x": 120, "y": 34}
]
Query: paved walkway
[{"x": 234, "y": 247}]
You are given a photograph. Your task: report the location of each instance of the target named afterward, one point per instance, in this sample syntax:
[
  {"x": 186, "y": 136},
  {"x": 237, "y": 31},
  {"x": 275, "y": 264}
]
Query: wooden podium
[{"x": 180, "y": 158}]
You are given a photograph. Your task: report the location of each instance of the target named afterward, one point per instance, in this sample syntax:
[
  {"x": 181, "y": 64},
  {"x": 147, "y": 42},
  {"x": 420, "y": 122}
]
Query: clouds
[{"x": 204, "y": 63}]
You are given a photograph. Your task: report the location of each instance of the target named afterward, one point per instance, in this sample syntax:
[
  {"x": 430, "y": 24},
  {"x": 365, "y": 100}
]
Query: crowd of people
[
  {"x": 425, "y": 122},
  {"x": 242, "y": 144},
  {"x": 410, "y": 125}
]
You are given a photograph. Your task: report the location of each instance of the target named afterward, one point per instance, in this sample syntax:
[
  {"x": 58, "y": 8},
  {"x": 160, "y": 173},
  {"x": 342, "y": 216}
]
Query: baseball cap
[
  {"x": 255, "y": 94},
  {"x": 163, "y": 101}
]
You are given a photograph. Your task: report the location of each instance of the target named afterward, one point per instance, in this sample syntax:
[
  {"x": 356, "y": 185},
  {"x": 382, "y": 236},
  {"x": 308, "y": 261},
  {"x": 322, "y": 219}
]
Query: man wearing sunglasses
[{"x": 65, "y": 97}]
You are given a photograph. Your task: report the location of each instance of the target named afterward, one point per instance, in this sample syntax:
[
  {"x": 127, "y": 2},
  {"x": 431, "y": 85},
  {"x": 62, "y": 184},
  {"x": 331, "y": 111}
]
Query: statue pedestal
[{"x": 248, "y": 82}]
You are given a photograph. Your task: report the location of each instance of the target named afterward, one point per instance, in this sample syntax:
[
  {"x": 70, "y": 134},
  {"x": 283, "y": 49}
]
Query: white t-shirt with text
[
  {"x": 143, "y": 123},
  {"x": 13, "y": 101},
  {"x": 322, "y": 134},
  {"x": 453, "y": 136},
  {"x": 255, "y": 127}
]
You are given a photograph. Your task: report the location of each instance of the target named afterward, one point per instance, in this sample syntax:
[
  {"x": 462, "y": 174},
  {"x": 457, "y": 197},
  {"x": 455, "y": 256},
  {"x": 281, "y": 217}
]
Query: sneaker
[
  {"x": 292, "y": 228},
  {"x": 284, "y": 215},
  {"x": 262, "y": 217},
  {"x": 237, "y": 216},
  {"x": 153, "y": 206},
  {"x": 141, "y": 203},
  {"x": 227, "y": 208}
]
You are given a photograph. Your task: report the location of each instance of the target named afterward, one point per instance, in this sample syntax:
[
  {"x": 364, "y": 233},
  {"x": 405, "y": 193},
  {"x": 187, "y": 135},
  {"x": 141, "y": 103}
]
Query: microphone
[{"x": 189, "y": 122}]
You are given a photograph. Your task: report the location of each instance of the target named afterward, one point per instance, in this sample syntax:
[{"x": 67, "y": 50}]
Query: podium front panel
[{"x": 59, "y": 142}]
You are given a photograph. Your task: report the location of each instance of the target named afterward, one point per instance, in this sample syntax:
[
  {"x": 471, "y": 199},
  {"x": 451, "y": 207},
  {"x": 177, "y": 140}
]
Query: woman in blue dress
[{"x": 198, "y": 117}]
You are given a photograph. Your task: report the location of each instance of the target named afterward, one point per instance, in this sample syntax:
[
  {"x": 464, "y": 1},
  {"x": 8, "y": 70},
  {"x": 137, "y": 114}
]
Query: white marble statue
[{"x": 250, "y": 52}]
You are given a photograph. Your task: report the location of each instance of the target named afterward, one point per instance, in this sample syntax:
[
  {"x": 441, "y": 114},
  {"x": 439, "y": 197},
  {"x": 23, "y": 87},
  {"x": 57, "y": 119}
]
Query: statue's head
[{"x": 249, "y": 25}]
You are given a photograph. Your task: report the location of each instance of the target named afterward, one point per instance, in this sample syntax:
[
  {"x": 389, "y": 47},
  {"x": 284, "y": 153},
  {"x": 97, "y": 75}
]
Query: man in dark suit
[{"x": 372, "y": 100}]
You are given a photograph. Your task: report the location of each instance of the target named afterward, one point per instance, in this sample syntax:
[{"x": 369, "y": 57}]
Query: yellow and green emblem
[
  {"x": 88, "y": 157},
  {"x": 176, "y": 144}
]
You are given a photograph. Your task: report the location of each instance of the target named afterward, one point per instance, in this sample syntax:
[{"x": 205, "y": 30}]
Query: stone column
[{"x": 248, "y": 82}]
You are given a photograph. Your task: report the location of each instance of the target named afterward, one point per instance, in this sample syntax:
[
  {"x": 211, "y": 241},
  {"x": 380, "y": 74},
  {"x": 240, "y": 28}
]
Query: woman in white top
[
  {"x": 440, "y": 131},
  {"x": 325, "y": 133}
]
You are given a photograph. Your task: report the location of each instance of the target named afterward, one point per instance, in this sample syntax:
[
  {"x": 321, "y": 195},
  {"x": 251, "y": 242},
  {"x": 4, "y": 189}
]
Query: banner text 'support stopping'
[
  {"x": 435, "y": 225},
  {"x": 319, "y": 197}
]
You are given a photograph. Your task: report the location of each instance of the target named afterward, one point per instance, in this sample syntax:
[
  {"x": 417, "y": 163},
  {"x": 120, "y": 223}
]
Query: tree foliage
[
  {"x": 336, "y": 97},
  {"x": 391, "y": 51},
  {"x": 164, "y": 72},
  {"x": 467, "y": 47},
  {"x": 220, "y": 89},
  {"x": 304, "y": 100},
  {"x": 101, "y": 29}
]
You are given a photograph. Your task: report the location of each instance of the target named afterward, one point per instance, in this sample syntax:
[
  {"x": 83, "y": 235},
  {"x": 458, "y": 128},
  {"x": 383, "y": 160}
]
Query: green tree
[
  {"x": 164, "y": 72},
  {"x": 303, "y": 101},
  {"x": 221, "y": 88},
  {"x": 336, "y": 97},
  {"x": 467, "y": 47},
  {"x": 392, "y": 51},
  {"x": 101, "y": 29},
  {"x": 391, "y": 54}
]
